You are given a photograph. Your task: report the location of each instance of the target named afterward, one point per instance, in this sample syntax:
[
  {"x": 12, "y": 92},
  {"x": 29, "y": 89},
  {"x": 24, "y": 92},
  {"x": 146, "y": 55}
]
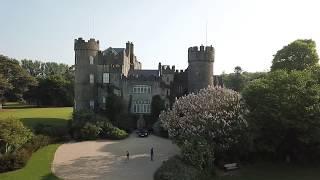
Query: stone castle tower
[
  {"x": 85, "y": 69},
  {"x": 200, "y": 69}
]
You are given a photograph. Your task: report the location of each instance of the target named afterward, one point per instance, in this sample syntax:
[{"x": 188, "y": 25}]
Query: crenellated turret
[
  {"x": 85, "y": 72},
  {"x": 200, "y": 69}
]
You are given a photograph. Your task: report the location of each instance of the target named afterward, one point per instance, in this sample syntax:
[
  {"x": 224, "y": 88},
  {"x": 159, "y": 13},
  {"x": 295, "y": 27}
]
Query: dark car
[{"x": 142, "y": 132}]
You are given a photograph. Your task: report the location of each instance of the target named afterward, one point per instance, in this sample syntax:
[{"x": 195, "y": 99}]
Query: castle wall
[{"x": 117, "y": 62}]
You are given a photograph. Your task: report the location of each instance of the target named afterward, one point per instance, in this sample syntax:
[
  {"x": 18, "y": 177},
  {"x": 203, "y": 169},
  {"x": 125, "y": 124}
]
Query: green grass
[
  {"x": 37, "y": 168},
  {"x": 39, "y": 165},
  {"x": 271, "y": 171},
  {"x": 32, "y": 116}
]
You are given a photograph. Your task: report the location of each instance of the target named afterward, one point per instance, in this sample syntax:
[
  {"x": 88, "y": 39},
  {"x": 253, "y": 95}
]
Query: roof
[
  {"x": 114, "y": 50},
  {"x": 145, "y": 73}
]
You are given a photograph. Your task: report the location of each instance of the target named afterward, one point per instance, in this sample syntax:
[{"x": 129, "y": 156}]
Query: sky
[{"x": 244, "y": 33}]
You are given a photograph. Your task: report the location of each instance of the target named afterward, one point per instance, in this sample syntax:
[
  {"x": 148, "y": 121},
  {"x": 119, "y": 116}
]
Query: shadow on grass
[
  {"x": 32, "y": 122},
  {"x": 49, "y": 177}
]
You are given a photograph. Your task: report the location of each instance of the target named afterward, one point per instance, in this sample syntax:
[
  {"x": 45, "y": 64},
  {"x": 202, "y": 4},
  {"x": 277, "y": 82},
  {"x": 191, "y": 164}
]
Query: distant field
[
  {"x": 38, "y": 167},
  {"x": 31, "y": 116}
]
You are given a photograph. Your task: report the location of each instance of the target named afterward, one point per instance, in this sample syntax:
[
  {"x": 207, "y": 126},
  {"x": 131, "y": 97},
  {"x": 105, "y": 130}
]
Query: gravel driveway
[{"x": 107, "y": 159}]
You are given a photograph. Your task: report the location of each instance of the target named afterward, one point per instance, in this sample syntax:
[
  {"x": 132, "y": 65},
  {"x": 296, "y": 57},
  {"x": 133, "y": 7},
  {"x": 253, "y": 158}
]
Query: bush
[
  {"x": 111, "y": 132},
  {"x": 13, "y": 135},
  {"x": 37, "y": 142},
  {"x": 176, "y": 169},
  {"x": 89, "y": 131},
  {"x": 19, "y": 158},
  {"x": 13, "y": 161},
  {"x": 60, "y": 133},
  {"x": 117, "y": 133},
  {"x": 88, "y": 126}
]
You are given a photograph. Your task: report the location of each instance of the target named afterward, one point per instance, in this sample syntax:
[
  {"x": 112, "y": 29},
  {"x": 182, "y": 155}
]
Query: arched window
[{"x": 91, "y": 59}]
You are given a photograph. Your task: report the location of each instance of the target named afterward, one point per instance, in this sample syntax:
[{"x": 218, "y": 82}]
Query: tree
[
  {"x": 51, "y": 91},
  {"x": 205, "y": 125},
  {"x": 19, "y": 78},
  {"x": 157, "y": 105},
  {"x": 284, "y": 114},
  {"x": 13, "y": 135},
  {"x": 117, "y": 110},
  {"x": 33, "y": 67},
  {"x": 44, "y": 69},
  {"x": 4, "y": 86},
  {"x": 298, "y": 55},
  {"x": 234, "y": 81}
]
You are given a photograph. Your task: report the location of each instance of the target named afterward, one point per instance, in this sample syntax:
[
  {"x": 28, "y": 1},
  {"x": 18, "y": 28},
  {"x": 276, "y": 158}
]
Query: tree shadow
[
  {"x": 101, "y": 167},
  {"x": 49, "y": 177},
  {"x": 32, "y": 122}
]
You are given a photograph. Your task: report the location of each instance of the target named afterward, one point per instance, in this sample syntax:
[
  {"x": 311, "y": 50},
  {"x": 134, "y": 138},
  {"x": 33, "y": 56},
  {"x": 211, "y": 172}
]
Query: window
[
  {"x": 106, "y": 78},
  {"x": 91, "y": 104},
  {"x": 103, "y": 100},
  {"x": 142, "y": 106},
  {"x": 91, "y": 59},
  {"x": 91, "y": 78},
  {"x": 141, "y": 89}
]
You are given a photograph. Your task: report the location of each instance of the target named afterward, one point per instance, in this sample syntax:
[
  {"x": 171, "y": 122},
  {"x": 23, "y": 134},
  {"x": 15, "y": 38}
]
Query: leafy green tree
[
  {"x": 116, "y": 109},
  {"x": 13, "y": 135},
  {"x": 284, "y": 114},
  {"x": 234, "y": 81},
  {"x": 4, "y": 86},
  {"x": 157, "y": 105},
  {"x": 298, "y": 55},
  {"x": 51, "y": 91},
  {"x": 19, "y": 78},
  {"x": 33, "y": 67}
]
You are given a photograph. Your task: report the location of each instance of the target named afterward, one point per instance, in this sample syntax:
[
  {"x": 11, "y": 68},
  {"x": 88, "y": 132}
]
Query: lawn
[
  {"x": 39, "y": 165},
  {"x": 30, "y": 116},
  {"x": 271, "y": 171},
  {"x": 37, "y": 168}
]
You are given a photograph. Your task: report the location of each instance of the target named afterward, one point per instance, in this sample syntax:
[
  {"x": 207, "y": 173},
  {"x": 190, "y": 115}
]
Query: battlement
[
  {"x": 166, "y": 69},
  {"x": 201, "y": 54},
  {"x": 179, "y": 72},
  {"x": 91, "y": 44}
]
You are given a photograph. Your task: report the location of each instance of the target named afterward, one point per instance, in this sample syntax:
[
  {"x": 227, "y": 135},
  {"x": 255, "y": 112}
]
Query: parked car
[{"x": 142, "y": 132}]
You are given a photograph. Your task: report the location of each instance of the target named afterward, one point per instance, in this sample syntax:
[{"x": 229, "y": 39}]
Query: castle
[{"x": 118, "y": 69}]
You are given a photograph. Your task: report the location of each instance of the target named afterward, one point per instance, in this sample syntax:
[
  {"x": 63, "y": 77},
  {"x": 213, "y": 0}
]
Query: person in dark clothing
[
  {"x": 151, "y": 153},
  {"x": 128, "y": 155}
]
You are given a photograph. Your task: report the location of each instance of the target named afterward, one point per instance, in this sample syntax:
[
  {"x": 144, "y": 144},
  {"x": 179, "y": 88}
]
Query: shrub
[
  {"x": 59, "y": 133},
  {"x": 88, "y": 126},
  {"x": 117, "y": 133},
  {"x": 13, "y": 135},
  {"x": 111, "y": 132},
  {"x": 90, "y": 131},
  {"x": 19, "y": 158},
  {"x": 176, "y": 169},
  {"x": 37, "y": 142}
]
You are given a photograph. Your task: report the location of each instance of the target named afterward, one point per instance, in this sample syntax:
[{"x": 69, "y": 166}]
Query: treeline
[{"x": 35, "y": 82}]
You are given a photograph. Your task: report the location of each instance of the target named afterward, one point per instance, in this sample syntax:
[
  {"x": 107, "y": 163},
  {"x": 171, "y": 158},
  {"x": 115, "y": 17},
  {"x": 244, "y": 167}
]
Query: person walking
[
  {"x": 128, "y": 155},
  {"x": 151, "y": 154}
]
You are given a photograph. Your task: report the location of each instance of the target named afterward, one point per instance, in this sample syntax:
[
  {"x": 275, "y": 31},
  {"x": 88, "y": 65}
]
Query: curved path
[{"x": 106, "y": 159}]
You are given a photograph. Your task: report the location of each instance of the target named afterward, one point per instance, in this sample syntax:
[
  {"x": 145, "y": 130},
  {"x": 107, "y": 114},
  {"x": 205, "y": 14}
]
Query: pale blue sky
[{"x": 243, "y": 32}]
